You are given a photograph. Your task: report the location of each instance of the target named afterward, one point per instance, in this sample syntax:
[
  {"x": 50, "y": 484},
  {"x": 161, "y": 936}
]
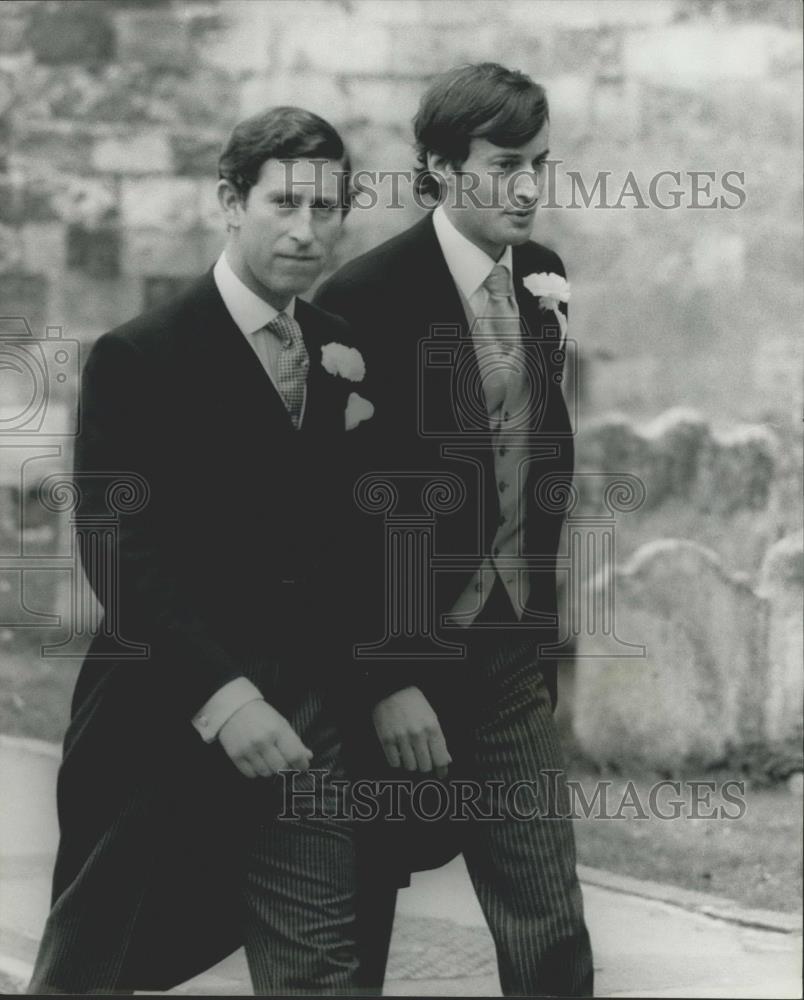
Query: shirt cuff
[{"x": 223, "y": 705}]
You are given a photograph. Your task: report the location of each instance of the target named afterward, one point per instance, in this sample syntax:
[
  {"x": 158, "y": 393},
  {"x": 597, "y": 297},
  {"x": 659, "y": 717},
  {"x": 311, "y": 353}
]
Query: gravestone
[
  {"x": 781, "y": 584},
  {"x": 699, "y": 688}
]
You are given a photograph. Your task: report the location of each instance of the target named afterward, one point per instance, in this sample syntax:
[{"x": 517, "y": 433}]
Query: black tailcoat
[
  {"x": 405, "y": 311},
  {"x": 227, "y": 563}
]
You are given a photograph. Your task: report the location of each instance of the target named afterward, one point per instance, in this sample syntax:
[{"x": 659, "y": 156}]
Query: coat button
[
  {"x": 479, "y": 587},
  {"x": 204, "y": 722},
  {"x": 496, "y": 550},
  {"x": 503, "y": 485},
  {"x": 503, "y": 449}
]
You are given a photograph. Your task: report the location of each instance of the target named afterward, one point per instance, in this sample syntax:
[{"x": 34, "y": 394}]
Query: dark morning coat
[
  {"x": 398, "y": 298},
  {"x": 226, "y": 563}
]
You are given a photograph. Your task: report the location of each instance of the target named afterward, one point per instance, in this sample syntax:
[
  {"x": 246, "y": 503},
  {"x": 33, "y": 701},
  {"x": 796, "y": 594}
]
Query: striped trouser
[
  {"x": 298, "y": 899},
  {"x": 521, "y": 859},
  {"x": 517, "y": 840}
]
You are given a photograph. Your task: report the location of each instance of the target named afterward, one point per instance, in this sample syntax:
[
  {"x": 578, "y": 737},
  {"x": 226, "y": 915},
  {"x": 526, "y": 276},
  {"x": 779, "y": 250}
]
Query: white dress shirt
[
  {"x": 250, "y": 314},
  {"x": 468, "y": 264}
]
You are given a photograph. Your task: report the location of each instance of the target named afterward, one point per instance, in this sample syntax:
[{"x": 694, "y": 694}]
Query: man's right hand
[
  {"x": 410, "y": 732},
  {"x": 261, "y": 742}
]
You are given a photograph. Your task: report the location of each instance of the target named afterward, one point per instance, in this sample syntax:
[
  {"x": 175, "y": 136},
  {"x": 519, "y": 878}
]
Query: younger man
[{"x": 458, "y": 280}]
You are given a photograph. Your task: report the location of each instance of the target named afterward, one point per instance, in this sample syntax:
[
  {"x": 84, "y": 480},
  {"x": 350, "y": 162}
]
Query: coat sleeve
[{"x": 147, "y": 598}]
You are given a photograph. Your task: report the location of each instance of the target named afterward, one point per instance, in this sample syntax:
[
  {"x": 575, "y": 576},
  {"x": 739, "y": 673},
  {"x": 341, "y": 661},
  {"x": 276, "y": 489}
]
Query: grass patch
[
  {"x": 755, "y": 860},
  {"x": 35, "y": 692}
]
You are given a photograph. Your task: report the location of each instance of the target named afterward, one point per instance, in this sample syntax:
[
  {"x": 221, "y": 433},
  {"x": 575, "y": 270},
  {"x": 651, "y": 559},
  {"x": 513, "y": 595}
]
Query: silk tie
[
  {"x": 501, "y": 315},
  {"x": 499, "y": 327},
  {"x": 292, "y": 365}
]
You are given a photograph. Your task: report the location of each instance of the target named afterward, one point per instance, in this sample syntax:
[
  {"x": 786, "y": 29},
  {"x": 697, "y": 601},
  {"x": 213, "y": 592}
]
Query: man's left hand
[{"x": 410, "y": 733}]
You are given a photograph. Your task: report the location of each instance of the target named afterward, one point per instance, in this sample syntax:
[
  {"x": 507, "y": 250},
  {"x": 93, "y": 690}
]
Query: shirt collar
[
  {"x": 248, "y": 310},
  {"x": 467, "y": 263}
]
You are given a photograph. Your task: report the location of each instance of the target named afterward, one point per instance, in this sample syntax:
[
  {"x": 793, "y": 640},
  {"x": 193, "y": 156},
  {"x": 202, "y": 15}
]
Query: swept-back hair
[
  {"x": 280, "y": 133},
  {"x": 483, "y": 101}
]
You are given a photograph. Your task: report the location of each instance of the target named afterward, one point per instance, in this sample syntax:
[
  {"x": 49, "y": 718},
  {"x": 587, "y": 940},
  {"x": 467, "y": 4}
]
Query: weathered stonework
[
  {"x": 720, "y": 488},
  {"x": 71, "y": 33},
  {"x": 160, "y": 252},
  {"x": 701, "y": 686},
  {"x": 154, "y": 38},
  {"x": 168, "y": 203},
  {"x": 96, "y": 252},
  {"x": 699, "y": 582},
  {"x": 781, "y": 584},
  {"x": 144, "y": 152}
]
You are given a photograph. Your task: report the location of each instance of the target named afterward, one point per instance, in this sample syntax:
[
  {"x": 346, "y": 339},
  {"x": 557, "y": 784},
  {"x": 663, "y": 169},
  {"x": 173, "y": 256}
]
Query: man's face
[
  {"x": 283, "y": 232},
  {"x": 493, "y": 196}
]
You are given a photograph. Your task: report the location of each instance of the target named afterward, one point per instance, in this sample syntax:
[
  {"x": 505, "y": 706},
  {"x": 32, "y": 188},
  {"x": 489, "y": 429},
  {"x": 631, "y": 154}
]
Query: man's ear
[
  {"x": 231, "y": 203},
  {"x": 441, "y": 167}
]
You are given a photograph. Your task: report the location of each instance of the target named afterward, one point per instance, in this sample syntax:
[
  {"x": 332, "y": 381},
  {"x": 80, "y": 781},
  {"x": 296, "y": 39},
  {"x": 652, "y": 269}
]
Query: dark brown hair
[
  {"x": 281, "y": 133},
  {"x": 483, "y": 101}
]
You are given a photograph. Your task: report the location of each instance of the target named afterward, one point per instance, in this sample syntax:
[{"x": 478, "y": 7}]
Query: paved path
[{"x": 649, "y": 940}]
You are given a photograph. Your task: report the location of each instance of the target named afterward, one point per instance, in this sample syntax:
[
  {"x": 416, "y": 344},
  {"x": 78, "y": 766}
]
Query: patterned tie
[
  {"x": 292, "y": 366},
  {"x": 499, "y": 322}
]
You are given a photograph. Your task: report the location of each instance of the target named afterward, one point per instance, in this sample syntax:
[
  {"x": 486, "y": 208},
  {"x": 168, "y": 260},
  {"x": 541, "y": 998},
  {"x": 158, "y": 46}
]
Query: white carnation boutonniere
[
  {"x": 550, "y": 289},
  {"x": 358, "y": 409},
  {"x": 347, "y": 362}
]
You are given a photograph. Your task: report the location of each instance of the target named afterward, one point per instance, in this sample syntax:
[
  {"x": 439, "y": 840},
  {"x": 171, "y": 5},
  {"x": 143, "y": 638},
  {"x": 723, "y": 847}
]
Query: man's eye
[
  {"x": 324, "y": 207},
  {"x": 282, "y": 202}
]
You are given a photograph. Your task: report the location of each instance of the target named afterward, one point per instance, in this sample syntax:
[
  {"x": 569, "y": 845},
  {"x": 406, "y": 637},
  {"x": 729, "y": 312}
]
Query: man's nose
[
  {"x": 302, "y": 226},
  {"x": 526, "y": 188}
]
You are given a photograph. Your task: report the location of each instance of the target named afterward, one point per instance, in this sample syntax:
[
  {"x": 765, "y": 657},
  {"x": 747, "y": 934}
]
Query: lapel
[
  {"x": 542, "y": 326},
  {"x": 441, "y": 307},
  {"x": 528, "y": 304},
  {"x": 428, "y": 276},
  {"x": 541, "y": 335},
  {"x": 234, "y": 379},
  {"x": 229, "y": 372}
]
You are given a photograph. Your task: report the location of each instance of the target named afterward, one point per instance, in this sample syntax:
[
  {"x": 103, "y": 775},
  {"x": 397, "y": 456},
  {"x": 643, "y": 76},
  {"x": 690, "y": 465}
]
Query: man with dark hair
[
  {"x": 224, "y": 413},
  {"x": 461, "y": 319}
]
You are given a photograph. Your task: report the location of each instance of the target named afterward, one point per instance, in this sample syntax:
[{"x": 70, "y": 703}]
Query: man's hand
[
  {"x": 261, "y": 742},
  {"x": 410, "y": 732}
]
